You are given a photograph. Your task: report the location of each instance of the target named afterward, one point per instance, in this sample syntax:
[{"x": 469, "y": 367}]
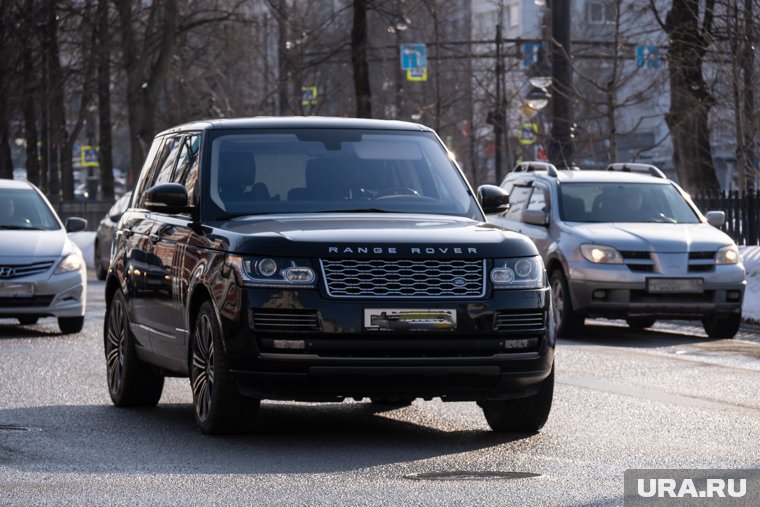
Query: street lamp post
[
  {"x": 561, "y": 147},
  {"x": 498, "y": 117}
]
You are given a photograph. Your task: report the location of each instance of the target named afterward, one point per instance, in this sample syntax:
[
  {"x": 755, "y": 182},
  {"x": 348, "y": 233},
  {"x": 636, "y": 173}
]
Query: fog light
[
  {"x": 289, "y": 344},
  {"x": 600, "y": 294},
  {"x": 734, "y": 295},
  {"x": 525, "y": 343},
  {"x": 299, "y": 275}
]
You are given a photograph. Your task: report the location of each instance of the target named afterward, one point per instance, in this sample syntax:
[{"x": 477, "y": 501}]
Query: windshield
[
  {"x": 308, "y": 171},
  {"x": 624, "y": 202},
  {"x": 24, "y": 209}
]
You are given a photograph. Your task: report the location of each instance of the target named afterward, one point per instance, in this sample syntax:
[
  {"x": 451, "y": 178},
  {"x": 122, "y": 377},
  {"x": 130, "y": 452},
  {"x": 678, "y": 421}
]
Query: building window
[
  {"x": 600, "y": 12},
  {"x": 514, "y": 15}
]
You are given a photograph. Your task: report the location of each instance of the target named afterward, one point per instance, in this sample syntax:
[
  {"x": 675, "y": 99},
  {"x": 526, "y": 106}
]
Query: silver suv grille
[
  {"x": 18, "y": 270},
  {"x": 404, "y": 278}
]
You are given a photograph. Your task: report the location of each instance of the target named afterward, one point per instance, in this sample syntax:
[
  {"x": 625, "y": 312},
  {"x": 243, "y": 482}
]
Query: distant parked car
[
  {"x": 42, "y": 272},
  {"x": 626, "y": 243},
  {"x": 104, "y": 236}
]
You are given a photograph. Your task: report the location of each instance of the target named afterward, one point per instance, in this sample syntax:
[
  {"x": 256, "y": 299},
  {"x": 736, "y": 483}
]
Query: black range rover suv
[{"x": 322, "y": 259}]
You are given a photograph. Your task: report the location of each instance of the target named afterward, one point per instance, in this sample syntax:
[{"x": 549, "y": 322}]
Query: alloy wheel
[
  {"x": 203, "y": 367},
  {"x": 115, "y": 342}
]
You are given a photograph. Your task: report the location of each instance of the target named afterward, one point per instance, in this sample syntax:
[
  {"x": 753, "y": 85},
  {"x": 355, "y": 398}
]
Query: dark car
[
  {"x": 321, "y": 259},
  {"x": 105, "y": 234}
]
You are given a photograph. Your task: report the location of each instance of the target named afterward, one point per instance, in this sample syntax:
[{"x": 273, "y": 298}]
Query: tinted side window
[
  {"x": 537, "y": 201},
  {"x": 518, "y": 198},
  {"x": 167, "y": 160},
  {"x": 146, "y": 175},
  {"x": 187, "y": 167}
]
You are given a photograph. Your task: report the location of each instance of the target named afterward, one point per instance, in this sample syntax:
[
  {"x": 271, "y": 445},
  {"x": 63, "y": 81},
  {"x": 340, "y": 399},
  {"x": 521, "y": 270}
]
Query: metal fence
[
  {"x": 742, "y": 213},
  {"x": 92, "y": 211}
]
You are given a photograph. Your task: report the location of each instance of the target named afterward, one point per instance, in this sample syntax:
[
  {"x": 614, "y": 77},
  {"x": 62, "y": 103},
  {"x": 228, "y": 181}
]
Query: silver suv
[{"x": 626, "y": 243}]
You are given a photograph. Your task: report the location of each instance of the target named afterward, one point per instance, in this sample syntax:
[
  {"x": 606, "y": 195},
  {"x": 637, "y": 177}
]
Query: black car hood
[{"x": 372, "y": 235}]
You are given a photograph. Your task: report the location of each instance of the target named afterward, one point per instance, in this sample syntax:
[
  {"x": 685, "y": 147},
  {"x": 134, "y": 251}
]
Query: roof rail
[
  {"x": 531, "y": 166},
  {"x": 631, "y": 167}
]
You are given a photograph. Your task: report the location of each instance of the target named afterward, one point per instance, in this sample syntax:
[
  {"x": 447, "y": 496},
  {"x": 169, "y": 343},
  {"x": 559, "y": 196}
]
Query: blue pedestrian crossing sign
[
  {"x": 413, "y": 56},
  {"x": 89, "y": 156},
  {"x": 648, "y": 56},
  {"x": 309, "y": 95}
]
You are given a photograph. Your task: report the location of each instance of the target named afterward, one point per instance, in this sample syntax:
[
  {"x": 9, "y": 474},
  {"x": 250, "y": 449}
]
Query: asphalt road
[{"x": 668, "y": 398}]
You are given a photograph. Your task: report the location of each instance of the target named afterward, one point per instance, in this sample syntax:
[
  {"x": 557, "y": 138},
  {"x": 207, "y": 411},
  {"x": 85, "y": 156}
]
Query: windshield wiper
[
  {"x": 359, "y": 210},
  {"x": 21, "y": 228}
]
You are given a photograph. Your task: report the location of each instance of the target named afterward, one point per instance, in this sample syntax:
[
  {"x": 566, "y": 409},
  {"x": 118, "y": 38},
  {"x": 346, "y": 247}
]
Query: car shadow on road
[
  {"x": 286, "y": 438},
  {"x": 11, "y": 329},
  {"x": 611, "y": 334}
]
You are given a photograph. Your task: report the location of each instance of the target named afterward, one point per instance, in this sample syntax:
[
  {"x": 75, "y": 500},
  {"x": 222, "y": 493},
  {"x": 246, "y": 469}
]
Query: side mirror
[
  {"x": 167, "y": 198},
  {"x": 493, "y": 199},
  {"x": 716, "y": 218},
  {"x": 535, "y": 217},
  {"x": 75, "y": 224}
]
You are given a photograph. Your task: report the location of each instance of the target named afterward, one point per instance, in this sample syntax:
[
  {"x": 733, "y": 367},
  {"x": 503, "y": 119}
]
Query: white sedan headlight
[
  {"x": 601, "y": 254},
  {"x": 728, "y": 255},
  {"x": 71, "y": 262}
]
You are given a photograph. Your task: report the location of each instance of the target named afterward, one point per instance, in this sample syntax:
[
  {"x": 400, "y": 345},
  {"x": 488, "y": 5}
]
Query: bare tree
[{"x": 689, "y": 25}]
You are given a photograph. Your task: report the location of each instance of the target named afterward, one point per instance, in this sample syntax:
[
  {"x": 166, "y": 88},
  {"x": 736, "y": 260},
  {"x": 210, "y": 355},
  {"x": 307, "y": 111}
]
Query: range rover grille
[
  {"x": 8, "y": 271},
  {"x": 283, "y": 320},
  {"x": 404, "y": 278},
  {"x": 520, "y": 322}
]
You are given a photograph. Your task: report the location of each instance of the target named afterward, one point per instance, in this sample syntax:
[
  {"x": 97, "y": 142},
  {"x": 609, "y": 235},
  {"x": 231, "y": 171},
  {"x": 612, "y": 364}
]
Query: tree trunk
[
  {"x": 359, "y": 60},
  {"x": 105, "y": 156},
  {"x": 283, "y": 60},
  {"x": 56, "y": 114},
  {"x": 30, "y": 97},
  {"x": 145, "y": 72},
  {"x": 6, "y": 162},
  {"x": 690, "y": 101}
]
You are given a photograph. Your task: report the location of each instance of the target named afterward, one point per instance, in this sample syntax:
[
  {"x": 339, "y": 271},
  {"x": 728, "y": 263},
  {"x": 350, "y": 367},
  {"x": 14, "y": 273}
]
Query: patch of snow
[
  {"x": 85, "y": 240},
  {"x": 751, "y": 305}
]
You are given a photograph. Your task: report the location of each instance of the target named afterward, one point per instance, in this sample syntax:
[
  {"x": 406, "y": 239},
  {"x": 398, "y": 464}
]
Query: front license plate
[
  {"x": 16, "y": 290},
  {"x": 409, "y": 319},
  {"x": 675, "y": 285}
]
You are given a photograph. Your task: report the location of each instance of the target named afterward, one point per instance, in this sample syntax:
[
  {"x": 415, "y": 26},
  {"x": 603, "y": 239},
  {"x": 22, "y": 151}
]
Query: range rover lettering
[{"x": 322, "y": 259}]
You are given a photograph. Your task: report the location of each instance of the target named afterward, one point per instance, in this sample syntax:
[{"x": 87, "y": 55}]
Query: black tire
[
  {"x": 640, "y": 322},
  {"x": 722, "y": 327},
  {"x": 218, "y": 405},
  {"x": 101, "y": 268},
  {"x": 392, "y": 402},
  {"x": 131, "y": 382},
  {"x": 567, "y": 321},
  {"x": 28, "y": 321},
  {"x": 70, "y": 325},
  {"x": 523, "y": 414}
]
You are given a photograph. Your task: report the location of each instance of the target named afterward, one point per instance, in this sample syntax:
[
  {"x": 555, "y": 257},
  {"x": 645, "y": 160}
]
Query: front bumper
[
  {"x": 63, "y": 295},
  {"x": 615, "y": 292},
  {"x": 492, "y": 354}
]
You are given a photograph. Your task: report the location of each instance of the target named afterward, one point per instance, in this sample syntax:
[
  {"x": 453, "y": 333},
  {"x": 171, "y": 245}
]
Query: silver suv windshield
[
  {"x": 624, "y": 202},
  {"x": 339, "y": 170}
]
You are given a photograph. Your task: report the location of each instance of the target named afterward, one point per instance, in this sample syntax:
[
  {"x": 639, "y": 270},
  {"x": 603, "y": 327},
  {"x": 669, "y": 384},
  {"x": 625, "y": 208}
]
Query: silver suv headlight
[
  {"x": 518, "y": 273},
  {"x": 728, "y": 255},
  {"x": 271, "y": 271},
  {"x": 71, "y": 262},
  {"x": 599, "y": 254}
]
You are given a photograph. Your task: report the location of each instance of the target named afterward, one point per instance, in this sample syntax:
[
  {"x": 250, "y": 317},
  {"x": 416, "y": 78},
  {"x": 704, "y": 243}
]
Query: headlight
[
  {"x": 522, "y": 273},
  {"x": 72, "y": 262},
  {"x": 271, "y": 272},
  {"x": 601, "y": 254},
  {"x": 728, "y": 255}
]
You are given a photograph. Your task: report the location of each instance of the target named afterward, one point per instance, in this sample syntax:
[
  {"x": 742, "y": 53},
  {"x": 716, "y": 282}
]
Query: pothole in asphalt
[{"x": 470, "y": 475}]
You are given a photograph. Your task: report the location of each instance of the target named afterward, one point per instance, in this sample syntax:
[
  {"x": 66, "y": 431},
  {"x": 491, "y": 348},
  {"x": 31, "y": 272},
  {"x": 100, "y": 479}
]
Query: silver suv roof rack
[
  {"x": 631, "y": 167},
  {"x": 531, "y": 166}
]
